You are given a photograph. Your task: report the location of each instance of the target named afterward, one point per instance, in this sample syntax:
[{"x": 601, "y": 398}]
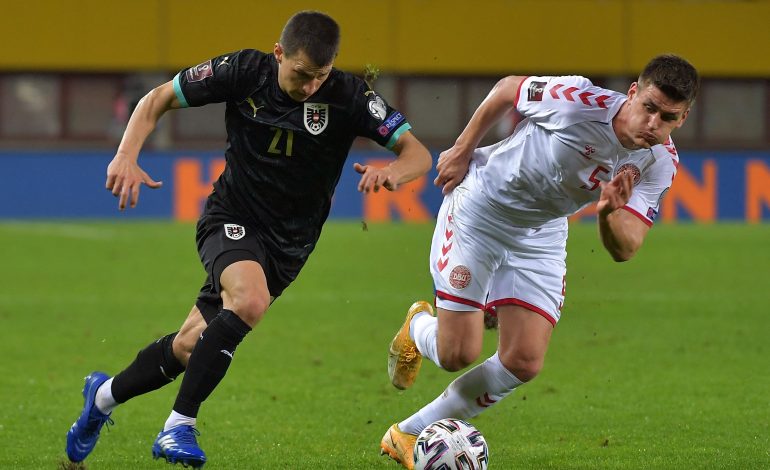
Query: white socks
[
  {"x": 423, "y": 331},
  {"x": 467, "y": 396},
  {"x": 104, "y": 400},
  {"x": 175, "y": 419}
]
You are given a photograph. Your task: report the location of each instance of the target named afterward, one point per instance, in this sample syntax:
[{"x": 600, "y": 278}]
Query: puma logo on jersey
[{"x": 253, "y": 106}]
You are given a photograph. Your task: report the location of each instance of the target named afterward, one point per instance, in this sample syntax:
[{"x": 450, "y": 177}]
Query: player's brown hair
[
  {"x": 315, "y": 33},
  {"x": 673, "y": 75}
]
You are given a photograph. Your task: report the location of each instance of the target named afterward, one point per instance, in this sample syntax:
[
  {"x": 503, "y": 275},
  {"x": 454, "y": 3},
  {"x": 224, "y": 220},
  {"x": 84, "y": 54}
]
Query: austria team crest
[
  {"x": 234, "y": 232},
  {"x": 316, "y": 117}
]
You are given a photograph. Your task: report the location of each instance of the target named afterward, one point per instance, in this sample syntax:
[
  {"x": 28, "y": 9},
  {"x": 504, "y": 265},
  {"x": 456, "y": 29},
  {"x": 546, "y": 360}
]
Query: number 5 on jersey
[{"x": 593, "y": 179}]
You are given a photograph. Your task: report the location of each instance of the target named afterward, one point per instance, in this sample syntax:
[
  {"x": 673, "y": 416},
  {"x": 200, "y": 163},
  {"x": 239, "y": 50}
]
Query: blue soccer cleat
[
  {"x": 178, "y": 445},
  {"x": 82, "y": 436}
]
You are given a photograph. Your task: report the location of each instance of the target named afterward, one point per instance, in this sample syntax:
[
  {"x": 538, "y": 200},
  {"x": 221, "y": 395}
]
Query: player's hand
[
  {"x": 616, "y": 193},
  {"x": 124, "y": 178},
  {"x": 452, "y": 167},
  {"x": 373, "y": 178}
]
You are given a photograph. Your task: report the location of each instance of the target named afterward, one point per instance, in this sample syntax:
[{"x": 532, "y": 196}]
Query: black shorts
[{"x": 223, "y": 239}]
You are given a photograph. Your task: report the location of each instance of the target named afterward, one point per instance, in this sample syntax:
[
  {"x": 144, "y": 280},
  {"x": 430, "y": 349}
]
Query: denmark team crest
[
  {"x": 234, "y": 232},
  {"x": 316, "y": 117}
]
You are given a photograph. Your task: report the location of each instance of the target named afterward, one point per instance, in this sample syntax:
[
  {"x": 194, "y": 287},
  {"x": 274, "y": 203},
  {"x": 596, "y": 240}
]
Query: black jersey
[{"x": 284, "y": 157}]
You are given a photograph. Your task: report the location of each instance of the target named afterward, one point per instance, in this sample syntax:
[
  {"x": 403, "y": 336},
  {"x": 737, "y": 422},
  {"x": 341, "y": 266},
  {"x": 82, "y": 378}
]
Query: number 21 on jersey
[{"x": 276, "y": 147}]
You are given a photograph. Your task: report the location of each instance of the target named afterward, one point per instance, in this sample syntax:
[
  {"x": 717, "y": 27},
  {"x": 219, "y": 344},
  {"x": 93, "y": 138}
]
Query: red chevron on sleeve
[
  {"x": 587, "y": 98},
  {"x": 569, "y": 91},
  {"x": 601, "y": 99},
  {"x": 554, "y": 91},
  {"x": 584, "y": 97}
]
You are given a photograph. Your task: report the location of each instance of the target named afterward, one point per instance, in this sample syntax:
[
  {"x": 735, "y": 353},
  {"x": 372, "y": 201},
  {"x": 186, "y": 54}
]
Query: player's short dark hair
[
  {"x": 674, "y": 76},
  {"x": 315, "y": 33}
]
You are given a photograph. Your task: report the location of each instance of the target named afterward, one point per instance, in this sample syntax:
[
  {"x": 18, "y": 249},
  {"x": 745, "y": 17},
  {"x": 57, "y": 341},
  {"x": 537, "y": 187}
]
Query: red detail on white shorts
[
  {"x": 485, "y": 401},
  {"x": 460, "y": 277},
  {"x": 527, "y": 305},
  {"x": 445, "y": 249},
  {"x": 443, "y": 260},
  {"x": 640, "y": 216},
  {"x": 459, "y": 300}
]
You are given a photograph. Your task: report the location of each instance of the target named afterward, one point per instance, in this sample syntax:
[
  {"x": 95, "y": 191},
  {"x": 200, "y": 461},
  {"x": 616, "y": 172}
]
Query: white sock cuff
[
  {"x": 104, "y": 400},
  {"x": 413, "y": 322},
  {"x": 176, "y": 419},
  {"x": 502, "y": 373}
]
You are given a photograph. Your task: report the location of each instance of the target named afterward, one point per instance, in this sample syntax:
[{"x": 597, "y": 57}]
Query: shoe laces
[
  {"x": 187, "y": 436},
  {"x": 95, "y": 423},
  {"x": 408, "y": 354}
]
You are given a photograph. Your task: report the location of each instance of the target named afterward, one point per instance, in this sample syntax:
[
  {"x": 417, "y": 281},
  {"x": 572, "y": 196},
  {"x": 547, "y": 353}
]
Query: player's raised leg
[
  {"x": 524, "y": 337},
  {"x": 404, "y": 358},
  {"x": 154, "y": 366}
]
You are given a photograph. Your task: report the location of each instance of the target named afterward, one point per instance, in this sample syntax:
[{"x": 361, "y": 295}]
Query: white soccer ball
[{"x": 450, "y": 444}]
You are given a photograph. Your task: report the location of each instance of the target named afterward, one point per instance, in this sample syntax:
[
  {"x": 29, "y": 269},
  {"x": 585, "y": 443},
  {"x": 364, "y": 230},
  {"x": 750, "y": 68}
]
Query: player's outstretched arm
[
  {"x": 453, "y": 163},
  {"x": 621, "y": 232},
  {"x": 124, "y": 176},
  {"x": 413, "y": 160}
]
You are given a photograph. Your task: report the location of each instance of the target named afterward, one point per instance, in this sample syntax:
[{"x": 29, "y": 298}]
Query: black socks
[
  {"x": 209, "y": 361},
  {"x": 154, "y": 367}
]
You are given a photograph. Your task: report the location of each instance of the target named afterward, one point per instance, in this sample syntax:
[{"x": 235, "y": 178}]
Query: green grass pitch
[{"x": 659, "y": 363}]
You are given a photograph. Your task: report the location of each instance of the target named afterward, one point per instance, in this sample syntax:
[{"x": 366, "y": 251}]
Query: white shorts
[{"x": 479, "y": 261}]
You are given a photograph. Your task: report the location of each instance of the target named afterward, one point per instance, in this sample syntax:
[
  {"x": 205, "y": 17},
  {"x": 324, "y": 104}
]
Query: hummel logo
[
  {"x": 588, "y": 152},
  {"x": 253, "y": 106},
  {"x": 227, "y": 353},
  {"x": 224, "y": 61}
]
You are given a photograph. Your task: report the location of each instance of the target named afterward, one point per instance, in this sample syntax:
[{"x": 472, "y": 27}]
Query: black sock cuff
[
  {"x": 234, "y": 322},
  {"x": 171, "y": 365}
]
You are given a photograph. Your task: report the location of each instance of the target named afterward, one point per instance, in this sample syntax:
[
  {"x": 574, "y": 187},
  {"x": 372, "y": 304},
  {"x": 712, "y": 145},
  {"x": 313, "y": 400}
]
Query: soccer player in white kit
[{"x": 501, "y": 233}]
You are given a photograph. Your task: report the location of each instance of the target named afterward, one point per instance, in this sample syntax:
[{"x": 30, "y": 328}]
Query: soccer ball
[{"x": 450, "y": 444}]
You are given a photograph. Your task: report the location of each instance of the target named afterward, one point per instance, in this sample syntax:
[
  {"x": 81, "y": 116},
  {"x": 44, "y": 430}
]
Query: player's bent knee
[
  {"x": 523, "y": 367},
  {"x": 251, "y": 308},
  {"x": 457, "y": 361}
]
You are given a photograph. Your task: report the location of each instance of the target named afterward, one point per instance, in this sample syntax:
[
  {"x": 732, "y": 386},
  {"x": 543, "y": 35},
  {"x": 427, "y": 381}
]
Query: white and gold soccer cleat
[{"x": 404, "y": 359}]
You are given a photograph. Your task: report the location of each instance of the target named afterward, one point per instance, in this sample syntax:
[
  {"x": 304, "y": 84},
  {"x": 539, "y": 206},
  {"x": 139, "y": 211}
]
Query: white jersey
[{"x": 551, "y": 166}]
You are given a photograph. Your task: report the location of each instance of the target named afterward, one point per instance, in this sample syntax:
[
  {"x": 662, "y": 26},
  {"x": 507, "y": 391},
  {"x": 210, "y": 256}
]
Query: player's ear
[
  {"x": 633, "y": 89},
  {"x": 278, "y": 52}
]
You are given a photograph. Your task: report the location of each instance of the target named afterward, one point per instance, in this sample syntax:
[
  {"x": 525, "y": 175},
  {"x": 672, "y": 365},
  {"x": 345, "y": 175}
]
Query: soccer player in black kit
[{"x": 291, "y": 119}]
